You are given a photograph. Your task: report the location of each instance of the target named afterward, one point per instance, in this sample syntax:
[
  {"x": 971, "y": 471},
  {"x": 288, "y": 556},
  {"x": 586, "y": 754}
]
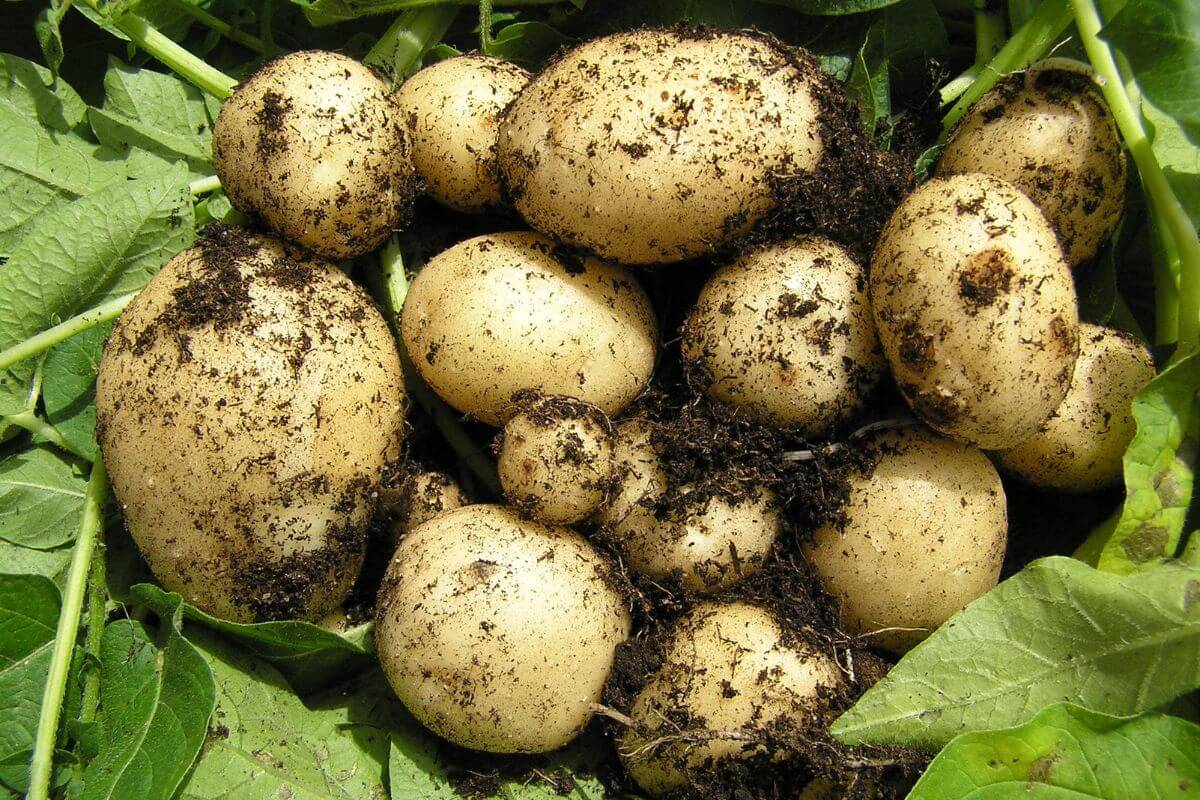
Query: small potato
[
  {"x": 730, "y": 667},
  {"x": 452, "y": 110},
  {"x": 556, "y": 459},
  {"x": 1081, "y": 446},
  {"x": 785, "y": 334},
  {"x": 511, "y": 312},
  {"x": 925, "y": 534},
  {"x": 423, "y": 496},
  {"x": 313, "y": 143},
  {"x": 976, "y": 309},
  {"x": 497, "y": 633},
  {"x": 651, "y": 146},
  {"x": 1049, "y": 132},
  {"x": 247, "y": 403}
]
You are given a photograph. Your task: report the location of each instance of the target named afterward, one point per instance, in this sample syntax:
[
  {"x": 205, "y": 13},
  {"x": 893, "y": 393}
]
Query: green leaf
[
  {"x": 69, "y": 389},
  {"x": 46, "y": 27},
  {"x": 1068, "y": 752},
  {"x": 41, "y": 498},
  {"x": 92, "y": 249},
  {"x": 834, "y": 7},
  {"x": 529, "y": 44},
  {"x": 157, "y": 693},
  {"x": 1159, "y": 467},
  {"x": 265, "y": 742},
  {"x": 309, "y": 657},
  {"x": 34, "y": 91},
  {"x": 50, "y": 564},
  {"x": 1058, "y": 630}
]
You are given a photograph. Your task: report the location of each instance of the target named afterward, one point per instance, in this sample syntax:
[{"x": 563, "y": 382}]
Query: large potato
[
  {"x": 452, "y": 110},
  {"x": 924, "y": 535},
  {"x": 507, "y": 312},
  {"x": 497, "y": 633},
  {"x": 247, "y": 404},
  {"x": 785, "y": 334},
  {"x": 976, "y": 309},
  {"x": 314, "y": 144},
  {"x": 1049, "y": 132},
  {"x": 1081, "y": 446},
  {"x": 651, "y": 146}
]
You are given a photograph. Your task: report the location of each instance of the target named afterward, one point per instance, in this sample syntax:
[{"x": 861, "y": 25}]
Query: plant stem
[
  {"x": 221, "y": 26},
  {"x": 97, "y": 600},
  {"x": 204, "y": 185},
  {"x": 400, "y": 48},
  {"x": 63, "y": 331},
  {"x": 954, "y": 89},
  {"x": 1163, "y": 202},
  {"x": 38, "y": 427},
  {"x": 485, "y": 26},
  {"x": 42, "y": 766},
  {"x": 989, "y": 29},
  {"x": 1030, "y": 42}
]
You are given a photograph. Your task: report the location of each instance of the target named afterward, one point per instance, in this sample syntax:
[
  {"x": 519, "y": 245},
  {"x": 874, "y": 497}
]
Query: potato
[
  {"x": 247, "y": 403},
  {"x": 423, "y": 496},
  {"x": 1081, "y": 447},
  {"x": 785, "y": 334},
  {"x": 556, "y": 459},
  {"x": 497, "y": 633},
  {"x": 1049, "y": 132},
  {"x": 651, "y": 146},
  {"x": 511, "y": 312},
  {"x": 452, "y": 110},
  {"x": 924, "y": 535},
  {"x": 976, "y": 309},
  {"x": 729, "y": 668},
  {"x": 314, "y": 144}
]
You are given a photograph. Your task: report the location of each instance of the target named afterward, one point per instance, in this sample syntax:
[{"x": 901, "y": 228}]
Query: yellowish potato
[{"x": 423, "y": 496}]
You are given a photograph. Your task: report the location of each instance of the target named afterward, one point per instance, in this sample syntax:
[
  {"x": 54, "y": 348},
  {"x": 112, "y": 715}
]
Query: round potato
[
  {"x": 314, "y": 144},
  {"x": 423, "y": 496},
  {"x": 729, "y": 668},
  {"x": 924, "y": 535},
  {"x": 247, "y": 404},
  {"x": 452, "y": 110},
  {"x": 511, "y": 312},
  {"x": 1081, "y": 446},
  {"x": 785, "y": 334},
  {"x": 651, "y": 146},
  {"x": 976, "y": 309},
  {"x": 497, "y": 633},
  {"x": 1049, "y": 132}
]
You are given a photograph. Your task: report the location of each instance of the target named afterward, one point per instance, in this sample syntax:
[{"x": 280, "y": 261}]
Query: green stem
[
  {"x": 400, "y": 48},
  {"x": 485, "y": 26},
  {"x": 170, "y": 53},
  {"x": 954, "y": 89},
  {"x": 1163, "y": 202},
  {"x": 38, "y": 427},
  {"x": 204, "y": 185},
  {"x": 221, "y": 26},
  {"x": 97, "y": 601},
  {"x": 42, "y": 766},
  {"x": 1030, "y": 42},
  {"x": 989, "y": 29},
  {"x": 63, "y": 331}
]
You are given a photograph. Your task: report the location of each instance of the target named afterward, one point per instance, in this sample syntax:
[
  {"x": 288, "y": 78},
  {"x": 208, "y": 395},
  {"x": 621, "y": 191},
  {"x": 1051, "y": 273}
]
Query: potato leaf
[
  {"x": 1058, "y": 630},
  {"x": 527, "y": 43},
  {"x": 1070, "y": 752},
  {"x": 50, "y": 564},
  {"x": 41, "y": 498},
  {"x": 33, "y": 90},
  {"x": 834, "y": 7},
  {"x": 69, "y": 389}
]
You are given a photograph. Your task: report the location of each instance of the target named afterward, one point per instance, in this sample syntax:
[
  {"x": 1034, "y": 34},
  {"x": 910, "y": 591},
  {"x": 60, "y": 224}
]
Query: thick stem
[
  {"x": 485, "y": 25},
  {"x": 400, "y": 48},
  {"x": 64, "y": 330},
  {"x": 954, "y": 89},
  {"x": 1163, "y": 202},
  {"x": 221, "y": 26},
  {"x": 42, "y": 766},
  {"x": 989, "y": 29},
  {"x": 38, "y": 427},
  {"x": 97, "y": 610},
  {"x": 204, "y": 185}
]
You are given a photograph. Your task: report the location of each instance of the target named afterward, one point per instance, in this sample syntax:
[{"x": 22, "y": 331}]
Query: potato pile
[{"x": 753, "y": 463}]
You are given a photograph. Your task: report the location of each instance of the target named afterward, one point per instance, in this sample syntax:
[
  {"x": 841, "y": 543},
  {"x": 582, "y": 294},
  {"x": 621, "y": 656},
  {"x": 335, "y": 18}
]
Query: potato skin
[
  {"x": 314, "y": 144},
  {"x": 498, "y": 633},
  {"x": 423, "y": 496},
  {"x": 247, "y": 403},
  {"x": 652, "y": 146},
  {"x": 1049, "y": 132},
  {"x": 1081, "y": 447},
  {"x": 507, "y": 312},
  {"x": 925, "y": 534},
  {"x": 716, "y": 648},
  {"x": 785, "y": 334},
  {"x": 976, "y": 309},
  {"x": 452, "y": 110}
]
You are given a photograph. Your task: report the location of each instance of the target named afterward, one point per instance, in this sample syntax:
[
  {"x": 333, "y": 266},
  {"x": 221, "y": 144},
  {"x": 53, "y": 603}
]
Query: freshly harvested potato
[
  {"x": 651, "y": 146},
  {"x": 1049, "y": 132},
  {"x": 452, "y": 110},
  {"x": 1081, "y": 446},
  {"x": 785, "y": 334},
  {"x": 638, "y": 475},
  {"x": 423, "y": 496},
  {"x": 924, "y": 535},
  {"x": 498, "y": 633},
  {"x": 314, "y": 144},
  {"x": 976, "y": 309},
  {"x": 729, "y": 668},
  {"x": 511, "y": 312},
  {"x": 556, "y": 459},
  {"x": 247, "y": 404}
]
